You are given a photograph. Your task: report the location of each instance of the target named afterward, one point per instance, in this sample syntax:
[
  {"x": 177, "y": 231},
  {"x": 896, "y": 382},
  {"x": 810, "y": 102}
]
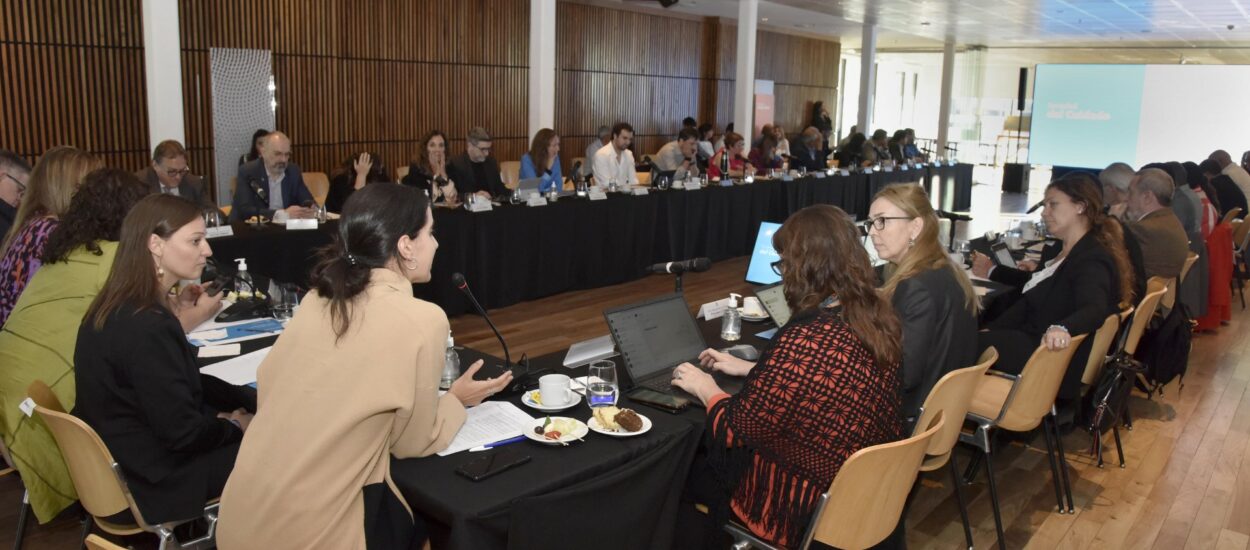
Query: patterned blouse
[{"x": 21, "y": 261}]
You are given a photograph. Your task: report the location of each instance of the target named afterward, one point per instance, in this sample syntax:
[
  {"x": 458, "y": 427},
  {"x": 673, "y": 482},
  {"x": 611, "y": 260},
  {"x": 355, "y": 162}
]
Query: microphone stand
[{"x": 678, "y": 289}]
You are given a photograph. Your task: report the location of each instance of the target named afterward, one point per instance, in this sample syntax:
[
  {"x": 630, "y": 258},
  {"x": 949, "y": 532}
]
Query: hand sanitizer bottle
[
  {"x": 451, "y": 365},
  {"x": 243, "y": 280},
  {"x": 731, "y": 321}
]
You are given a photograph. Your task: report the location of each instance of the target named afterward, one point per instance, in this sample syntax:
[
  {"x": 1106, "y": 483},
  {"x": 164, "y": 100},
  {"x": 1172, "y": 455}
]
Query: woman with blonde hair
[
  {"x": 932, "y": 296},
  {"x": 56, "y": 176}
]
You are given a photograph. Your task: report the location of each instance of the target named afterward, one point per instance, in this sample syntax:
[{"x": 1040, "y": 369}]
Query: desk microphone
[
  {"x": 695, "y": 265},
  {"x": 463, "y": 286},
  {"x": 1035, "y": 207}
]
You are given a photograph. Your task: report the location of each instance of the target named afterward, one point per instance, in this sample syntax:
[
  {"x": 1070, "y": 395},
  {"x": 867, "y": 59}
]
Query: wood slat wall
[{"x": 71, "y": 73}]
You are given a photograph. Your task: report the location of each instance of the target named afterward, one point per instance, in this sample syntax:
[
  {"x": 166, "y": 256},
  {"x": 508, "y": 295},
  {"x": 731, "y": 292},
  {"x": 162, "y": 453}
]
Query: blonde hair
[
  {"x": 56, "y": 176},
  {"x": 927, "y": 253}
]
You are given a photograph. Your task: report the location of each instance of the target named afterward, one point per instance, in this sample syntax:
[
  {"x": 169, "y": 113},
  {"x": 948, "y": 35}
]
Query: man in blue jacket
[{"x": 271, "y": 183}]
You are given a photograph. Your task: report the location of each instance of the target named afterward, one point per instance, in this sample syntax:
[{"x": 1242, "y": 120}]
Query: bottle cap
[
  {"x": 733, "y": 299},
  {"x": 242, "y": 263}
]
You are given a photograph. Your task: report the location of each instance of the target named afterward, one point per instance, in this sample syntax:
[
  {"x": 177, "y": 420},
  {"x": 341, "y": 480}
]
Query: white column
[
  {"x": 542, "y": 85},
  {"x": 744, "y": 77},
  {"x": 867, "y": 76},
  {"x": 944, "y": 105},
  {"x": 162, "y": 63}
]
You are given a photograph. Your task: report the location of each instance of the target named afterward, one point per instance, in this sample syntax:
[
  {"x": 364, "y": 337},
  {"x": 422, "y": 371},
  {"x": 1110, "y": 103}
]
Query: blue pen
[{"x": 497, "y": 444}]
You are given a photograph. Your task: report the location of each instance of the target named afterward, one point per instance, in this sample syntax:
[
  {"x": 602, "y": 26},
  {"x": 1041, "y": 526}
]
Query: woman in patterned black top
[{"x": 826, "y": 388}]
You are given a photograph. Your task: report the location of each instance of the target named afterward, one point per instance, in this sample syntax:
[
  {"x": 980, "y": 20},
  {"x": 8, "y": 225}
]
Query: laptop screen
[
  {"x": 760, "y": 271},
  {"x": 774, "y": 299},
  {"x": 655, "y": 335}
]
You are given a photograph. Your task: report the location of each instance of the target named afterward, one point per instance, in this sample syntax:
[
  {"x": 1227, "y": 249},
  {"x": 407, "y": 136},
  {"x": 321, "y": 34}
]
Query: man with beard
[{"x": 271, "y": 183}]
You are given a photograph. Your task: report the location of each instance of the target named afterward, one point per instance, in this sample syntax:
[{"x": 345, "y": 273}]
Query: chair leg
[
  {"x": 1097, "y": 445},
  {"x": 1054, "y": 464},
  {"x": 998, "y": 517},
  {"x": 21, "y": 520},
  {"x": 970, "y": 472},
  {"x": 86, "y": 530},
  {"x": 1128, "y": 418},
  {"x": 1063, "y": 462},
  {"x": 959, "y": 496},
  {"x": 1118, "y": 448}
]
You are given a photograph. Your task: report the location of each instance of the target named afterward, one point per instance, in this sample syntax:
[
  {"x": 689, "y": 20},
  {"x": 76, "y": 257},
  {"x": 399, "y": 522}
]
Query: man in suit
[
  {"x": 1148, "y": 214},
  {"x": 475, "y": 171},
  {"x": 1226, "y": 190},
  {"x": 14, "y": 173},
  {"x": 271, "y": 183},
  {"x": 169, "y": 174},
  {"x": 807, "y": 152}
]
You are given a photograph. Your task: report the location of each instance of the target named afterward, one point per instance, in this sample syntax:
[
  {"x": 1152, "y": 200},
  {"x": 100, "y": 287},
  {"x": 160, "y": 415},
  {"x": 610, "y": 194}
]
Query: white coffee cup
[{"x": 554, "y": 390}]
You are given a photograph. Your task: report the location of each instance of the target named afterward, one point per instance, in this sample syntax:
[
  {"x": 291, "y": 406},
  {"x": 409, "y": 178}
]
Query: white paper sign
[
  {"x": 227, "y": 350},
  {"x": 597, "y": 194},
  {"x": 220, "y": 231},
  {"x": 481, "y": 206},
  {"x": 819, "y": 175},
  {"x": 713, "y": 310},
  {"x": 903, "y": 167},
  {"x": 844, "y": 173},
  {"x": 27, "y": 406},
  {"x": 536, "y": 200},
  {"x": 787, "y": 177},
  {"x": 888, "y": 169},
  {"x": 640, "y": 191},
  {"x": 692, "y": 187},
  {"x": 679, "y": 184},
  {"x": 301, "y": 224}
]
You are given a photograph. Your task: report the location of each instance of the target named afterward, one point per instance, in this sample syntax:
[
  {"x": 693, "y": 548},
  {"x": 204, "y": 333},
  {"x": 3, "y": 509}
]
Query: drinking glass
[
  {"x": 210, "y": 218},
  {"x": 319, "y": 210},
  {"x": 662, "y": 183},
  {"x": 285, "y": 297},
  {"x": 603, "y": 387}
]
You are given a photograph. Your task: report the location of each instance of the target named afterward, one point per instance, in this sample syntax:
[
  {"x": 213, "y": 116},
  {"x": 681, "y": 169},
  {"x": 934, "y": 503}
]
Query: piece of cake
[
  {"x": 605, "y": 416},
  {"x": 628, "y": 420}
]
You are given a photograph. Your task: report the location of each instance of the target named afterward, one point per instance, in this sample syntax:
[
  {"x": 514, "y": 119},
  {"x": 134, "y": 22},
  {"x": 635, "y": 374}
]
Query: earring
[
  {"x": 160, "y": 272},
  {"x": 911, "y": 243},
  {"x": 413, "y": 266}
]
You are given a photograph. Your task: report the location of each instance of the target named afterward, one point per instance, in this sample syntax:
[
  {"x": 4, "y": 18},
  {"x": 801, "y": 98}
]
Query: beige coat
[
  {"x": 1164, "y": 245},
  {"x": 331, "y": 413}
]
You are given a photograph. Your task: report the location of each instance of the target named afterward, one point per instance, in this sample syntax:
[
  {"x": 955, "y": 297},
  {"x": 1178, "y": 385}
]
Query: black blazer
[
  {"x": 192, "y": 187},
  {"x": 1230, "y": 196},
  {"x": 1017, "y": 278},
  {"x": 460, "y": 170},
  {"x": 939, "y": 332},
  {"x": 813, "y": 160},
  {"x": 140, "y": 388},
  {"x": 251, "y": 194},
  {"x": 1080, "y": 295}
]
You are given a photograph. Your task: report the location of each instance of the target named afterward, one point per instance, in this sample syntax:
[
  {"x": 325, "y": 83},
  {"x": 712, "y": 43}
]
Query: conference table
[{"x": 517, "y": 253}]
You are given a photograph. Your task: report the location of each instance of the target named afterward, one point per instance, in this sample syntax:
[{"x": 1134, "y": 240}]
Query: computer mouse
[{"x": 745, "y": 352}]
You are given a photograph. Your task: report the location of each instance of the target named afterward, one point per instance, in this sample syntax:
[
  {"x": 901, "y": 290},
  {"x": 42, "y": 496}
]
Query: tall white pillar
[
  {"x": 944, "y": 104},
  {"x": 744, "y": 77},
  {"x": 162, "y": 63},
  {"x": 542, "y": 84},
  {"x": 867, "y": 76}
]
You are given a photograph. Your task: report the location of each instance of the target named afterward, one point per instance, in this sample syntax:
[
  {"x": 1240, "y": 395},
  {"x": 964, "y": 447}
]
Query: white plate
[
  {"x": 579, "y": 433},
  {"x": 754, "y": 318},
  {"x": 574, "y": 399},
  {"x": 594, "y": 426}
]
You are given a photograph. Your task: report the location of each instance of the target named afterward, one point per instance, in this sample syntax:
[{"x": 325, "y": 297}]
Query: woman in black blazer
[
  {"x": 429, "y": 172},
  {"x": 932, "y": 296},
  {"x": 1073, "y": 290},
  {"x": 138, "y": 383}
]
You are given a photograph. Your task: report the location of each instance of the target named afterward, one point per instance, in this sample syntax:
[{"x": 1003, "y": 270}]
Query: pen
[{"x": 497, "y": 444}]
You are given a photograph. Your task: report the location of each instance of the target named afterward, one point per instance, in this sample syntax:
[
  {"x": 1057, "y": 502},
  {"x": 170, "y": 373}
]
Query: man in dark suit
[
  {"x": 1226, "y": 190},
  {"x": 807, "y": 152},
  {"x": 1148, "y": 215},
  {"x": 271, "y": 183},
  {"x": 475, "y": 170},
  {"x": 169, "y": 174}
]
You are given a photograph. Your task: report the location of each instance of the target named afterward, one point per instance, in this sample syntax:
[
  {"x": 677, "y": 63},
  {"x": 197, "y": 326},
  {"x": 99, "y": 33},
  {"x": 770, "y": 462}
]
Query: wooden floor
[{"x": 1187, "y": 484}]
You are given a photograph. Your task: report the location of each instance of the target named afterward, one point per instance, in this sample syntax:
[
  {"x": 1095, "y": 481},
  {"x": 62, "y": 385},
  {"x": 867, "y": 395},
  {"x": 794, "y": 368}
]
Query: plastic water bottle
[
  {"x": 243, "y": 280},
  {"x": 731, "y": 321},
  {"x": 451, "y": 365}
]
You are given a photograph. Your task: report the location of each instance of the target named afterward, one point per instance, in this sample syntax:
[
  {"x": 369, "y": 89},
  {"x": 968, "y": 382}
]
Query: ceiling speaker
[{"x": 668, "y": 3}]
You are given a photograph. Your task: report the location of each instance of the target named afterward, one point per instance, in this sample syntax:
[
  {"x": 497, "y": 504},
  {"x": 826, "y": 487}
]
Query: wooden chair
[
  {"x": 96, "y": 542},
  {"x": 318, "y": 184},
  {"x": 1241, "y": 270},
  {"x": 866, "y": 498},
  {"x": 99, "y": 480},
  {"x": 1231, "y": 215},
  {"x": 1020, "y": 403},
  {"x": 23, "y": 513},
  {"x": 1169, "y": 299},
  {"x": 1099, "y": 353},
  {"x": 644, "y": 178},
  {"x": 401, "y": 172},
  {"x": 950, "y": 397},
  {"x": 510, "y": 171}
]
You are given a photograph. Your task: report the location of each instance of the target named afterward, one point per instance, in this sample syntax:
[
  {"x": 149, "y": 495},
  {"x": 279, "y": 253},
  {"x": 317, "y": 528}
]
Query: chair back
[
  {"x": 866, "y": 498},
  {"x": 950, "y": 397},
  {"x": 1037, "y": 387},
  {"x": 1101, "y": 346},
  {"x": 644, "y": 178},
  {"x": 401, "y": 172},
  {"x": 1240, "y": 232},
  {"x": 510, "y": 170},
  {"x": 1231, "y": 215},
  {"x": 1145, "y": 310},
  {"x": 318, "y": 184},
  {"x": 90, "y": 463},
  {"x": 96, "y": 542}
]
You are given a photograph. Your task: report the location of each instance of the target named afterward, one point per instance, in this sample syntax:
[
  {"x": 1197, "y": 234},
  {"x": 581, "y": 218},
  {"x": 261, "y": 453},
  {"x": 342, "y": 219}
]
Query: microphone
[
  {"x": 695, "y": 265},
  {"x": 258, "y": 189},
  {"x": 463, "y": 286},
  {"x": 1035, "y": 207},
  {"x": 577, "y": 169},
  {"x": 954, "y": 216}
]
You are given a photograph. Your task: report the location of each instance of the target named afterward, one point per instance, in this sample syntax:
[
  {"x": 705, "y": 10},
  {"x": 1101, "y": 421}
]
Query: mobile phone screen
[{"x": 493, "y": 463}]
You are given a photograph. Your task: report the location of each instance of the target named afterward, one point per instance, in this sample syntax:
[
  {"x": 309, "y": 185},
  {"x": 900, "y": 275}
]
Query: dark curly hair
[{"x": 95, "y": 213}]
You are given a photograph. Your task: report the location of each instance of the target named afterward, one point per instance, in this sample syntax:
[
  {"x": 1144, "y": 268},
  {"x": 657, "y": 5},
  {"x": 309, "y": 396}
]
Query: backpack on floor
[{"x": 1164, "y": 349}]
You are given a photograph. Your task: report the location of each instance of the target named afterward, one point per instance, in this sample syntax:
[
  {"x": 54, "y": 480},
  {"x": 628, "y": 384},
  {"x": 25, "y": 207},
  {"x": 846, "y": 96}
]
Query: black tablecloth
[{"x": 519, "y": 253}]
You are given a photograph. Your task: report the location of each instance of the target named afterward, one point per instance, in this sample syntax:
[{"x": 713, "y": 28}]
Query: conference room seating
[
  {"x": 318, "y": 184},
  {"x": 1241, "y": 271},
  {"x": 96, "y": 542},
  {"x": 401, "y": 172},
  {"x": 1019, "y": 403},
  {"x": 23, "y": 513},
  {"x": 1169, "y": 299},
  {"x": 1099, "y": 354},
  {"x": 510, "y": 170},
  {"x": 1231, "y": 215},
  {"x": 99, "y": 480},
  {"x": 951, "y": 397},
  {"x": 865, "y": 500}
]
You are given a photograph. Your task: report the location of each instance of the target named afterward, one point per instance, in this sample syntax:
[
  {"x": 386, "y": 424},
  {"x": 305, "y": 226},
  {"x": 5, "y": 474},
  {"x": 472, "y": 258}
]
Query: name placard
[
  {"x": 481, "y": 206},
  {"x": 844, "y": 173},
  {"x": 301, "y": 224},
  {"x": 221, "y": 231},
  {"x": 713, "y": 310},
  {"x": 639, "y": 191},
  {"x": 693, "y": 187},
  {"x": 536, "y": 200},
  {"x": 597, "y": 194},
  {"x": 818, "y": 175}
]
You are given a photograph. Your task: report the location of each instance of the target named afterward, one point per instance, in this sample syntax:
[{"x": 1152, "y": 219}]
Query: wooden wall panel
[{"x": 71, "y": 73}]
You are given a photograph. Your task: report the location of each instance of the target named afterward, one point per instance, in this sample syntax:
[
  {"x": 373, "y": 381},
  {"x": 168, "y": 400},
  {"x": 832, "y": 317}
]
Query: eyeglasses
[
  {"x": 879, "y": 222},
  {"x": 777, "y": 266},
  {"x": 21, "y": 187},
  {"x": 176, "y": 173}
]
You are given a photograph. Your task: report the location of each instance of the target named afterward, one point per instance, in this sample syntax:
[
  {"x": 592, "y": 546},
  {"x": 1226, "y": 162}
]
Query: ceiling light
[{"x": 764, "y": 19}]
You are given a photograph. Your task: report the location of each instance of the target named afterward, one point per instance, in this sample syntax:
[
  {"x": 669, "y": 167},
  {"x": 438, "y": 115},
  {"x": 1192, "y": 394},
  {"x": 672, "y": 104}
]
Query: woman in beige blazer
[{"x": 352, "y": 381}]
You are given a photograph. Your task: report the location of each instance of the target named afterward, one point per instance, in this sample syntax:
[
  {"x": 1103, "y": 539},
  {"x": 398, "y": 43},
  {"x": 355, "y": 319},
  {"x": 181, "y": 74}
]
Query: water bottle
[
  {"x": 724, "y": 164},
  {"x": 243, "y": 280},
  {"x": 731, "y": 321},
  {"x": 451, "y": 365}
]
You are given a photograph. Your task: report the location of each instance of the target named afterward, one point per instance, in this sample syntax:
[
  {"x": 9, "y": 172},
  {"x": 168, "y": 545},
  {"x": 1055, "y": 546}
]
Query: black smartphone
[
  {"x": 1002, "y": 255},
  {"x": 663, "y": 401},
  {"x": 497, "y": 461},
  {"x": 213, "y": 287}
]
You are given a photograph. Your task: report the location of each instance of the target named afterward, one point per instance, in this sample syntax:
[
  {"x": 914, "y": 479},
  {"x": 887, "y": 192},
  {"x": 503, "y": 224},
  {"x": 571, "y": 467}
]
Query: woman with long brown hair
[
  {"x": 173, "y": 431},
  {"x": 1075, "y": 287},
  {"x": 932, "y": 296},
  {"x": 543, "y": 161},
  {"x": 56, "y": 176},
  {"x": 838, "y": 357},
  {"x": 429, "y": 171}
]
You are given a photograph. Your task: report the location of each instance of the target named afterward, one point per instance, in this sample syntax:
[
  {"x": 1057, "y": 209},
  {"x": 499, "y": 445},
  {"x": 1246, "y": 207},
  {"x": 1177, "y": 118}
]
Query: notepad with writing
[{"x": 487, "y": 423}]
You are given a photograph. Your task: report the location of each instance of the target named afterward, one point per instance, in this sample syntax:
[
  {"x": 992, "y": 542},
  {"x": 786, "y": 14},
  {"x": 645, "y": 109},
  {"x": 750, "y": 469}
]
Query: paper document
[
  {"x": 487, "y": 423},
  {"x": 239, "y": 371},
  {"x": 981, "y": 290},
  {"x": 228, "y": 350},
  {"x": 586, "y": 351},
  {"x": 229, "y": 334}
]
